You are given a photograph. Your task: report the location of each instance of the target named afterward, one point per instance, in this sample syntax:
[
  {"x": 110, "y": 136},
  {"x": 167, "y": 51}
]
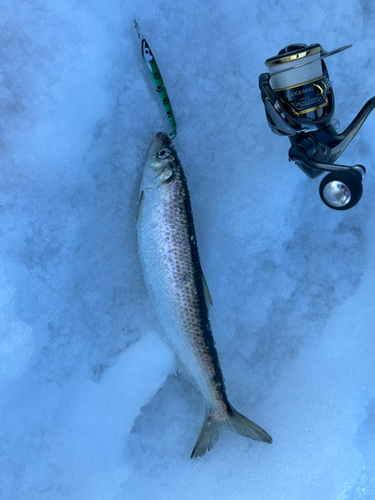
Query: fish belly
[{"x": 170, "y": 276}]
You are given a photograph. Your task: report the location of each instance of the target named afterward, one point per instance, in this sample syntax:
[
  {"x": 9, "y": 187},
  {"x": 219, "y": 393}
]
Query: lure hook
[{"x": 138, "y": 30}]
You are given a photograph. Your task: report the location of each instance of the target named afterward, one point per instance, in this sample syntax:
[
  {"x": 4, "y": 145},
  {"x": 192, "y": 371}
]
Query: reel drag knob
[{"x": 343, "y": 189}]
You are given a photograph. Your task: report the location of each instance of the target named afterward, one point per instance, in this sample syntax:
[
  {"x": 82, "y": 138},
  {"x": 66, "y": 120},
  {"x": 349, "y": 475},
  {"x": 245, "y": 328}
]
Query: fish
[{"x": 168, "y": 252}]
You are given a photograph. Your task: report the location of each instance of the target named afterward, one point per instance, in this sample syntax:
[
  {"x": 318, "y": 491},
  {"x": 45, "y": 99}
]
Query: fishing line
[
  {"x": 293, "y": 75},
  {"x": 298, "y": 72},
  {"x": 157, "y": 80}
]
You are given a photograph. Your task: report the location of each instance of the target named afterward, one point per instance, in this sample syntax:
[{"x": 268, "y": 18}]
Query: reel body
[{"x": 303, "y": 110}]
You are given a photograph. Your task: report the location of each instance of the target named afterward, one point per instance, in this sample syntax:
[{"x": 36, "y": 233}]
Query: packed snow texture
[{"x": 93, "y": 404}]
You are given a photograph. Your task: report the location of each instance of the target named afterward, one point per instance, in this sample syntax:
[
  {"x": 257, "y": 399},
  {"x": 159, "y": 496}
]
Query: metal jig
[{"x": 157, "y": 80}]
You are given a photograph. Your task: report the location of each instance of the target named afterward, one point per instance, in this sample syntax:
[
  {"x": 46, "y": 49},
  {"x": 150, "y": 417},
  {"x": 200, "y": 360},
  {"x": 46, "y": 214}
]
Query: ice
[{"x": 93, "y": 405}]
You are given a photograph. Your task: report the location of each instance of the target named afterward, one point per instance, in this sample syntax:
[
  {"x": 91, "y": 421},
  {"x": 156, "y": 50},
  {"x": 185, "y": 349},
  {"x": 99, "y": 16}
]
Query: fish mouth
[
  {"x": 160, "y": 141},
  {"x": 163, "y": 137}
]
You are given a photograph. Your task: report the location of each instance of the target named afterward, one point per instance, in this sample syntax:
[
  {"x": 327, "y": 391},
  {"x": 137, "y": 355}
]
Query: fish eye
[{"x": 164, "y": 153}]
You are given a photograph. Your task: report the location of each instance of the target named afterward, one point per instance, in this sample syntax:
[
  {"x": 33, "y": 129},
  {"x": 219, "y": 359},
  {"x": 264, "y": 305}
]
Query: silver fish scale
[{"x": 170, "y": 260}]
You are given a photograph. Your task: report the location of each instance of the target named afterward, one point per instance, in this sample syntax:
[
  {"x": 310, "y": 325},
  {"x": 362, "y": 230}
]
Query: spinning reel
[{"x": 299, "y": 103}]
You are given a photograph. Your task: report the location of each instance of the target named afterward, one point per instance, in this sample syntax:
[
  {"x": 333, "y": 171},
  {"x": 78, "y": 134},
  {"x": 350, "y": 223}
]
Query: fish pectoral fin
[
  {"x": 206, "y": 291},
  {"x": 139, "y": 206}
]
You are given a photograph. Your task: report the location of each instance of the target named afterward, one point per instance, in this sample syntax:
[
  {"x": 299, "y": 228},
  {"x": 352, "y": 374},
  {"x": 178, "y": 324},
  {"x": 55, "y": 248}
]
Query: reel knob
[{"x": 343, "y": 189}]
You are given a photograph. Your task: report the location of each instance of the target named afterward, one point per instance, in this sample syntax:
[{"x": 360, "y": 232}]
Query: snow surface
[{"x": 92, "y": 404}]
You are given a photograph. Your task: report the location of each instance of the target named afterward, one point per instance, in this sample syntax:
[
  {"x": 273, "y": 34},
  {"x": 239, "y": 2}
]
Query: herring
[{"x": 169, "y": 257}]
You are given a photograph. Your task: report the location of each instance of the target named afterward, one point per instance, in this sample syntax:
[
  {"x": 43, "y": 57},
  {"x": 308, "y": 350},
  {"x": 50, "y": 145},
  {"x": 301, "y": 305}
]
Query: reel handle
[
  {"x": 314, "y": 168},
  {"x": 317, "y": 151},
  {"x": 346, "y": 137}
]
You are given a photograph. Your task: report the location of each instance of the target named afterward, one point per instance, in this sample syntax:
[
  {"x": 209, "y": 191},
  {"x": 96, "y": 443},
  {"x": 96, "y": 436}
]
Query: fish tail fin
[
  {"x": 235, "y": 422},
  {"x": 244, "y": 426},
  {"x": 208, "y": 435}
]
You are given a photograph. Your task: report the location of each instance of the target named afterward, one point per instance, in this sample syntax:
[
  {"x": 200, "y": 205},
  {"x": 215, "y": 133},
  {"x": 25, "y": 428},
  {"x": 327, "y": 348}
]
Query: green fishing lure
[{"x": 157, "y": 80}]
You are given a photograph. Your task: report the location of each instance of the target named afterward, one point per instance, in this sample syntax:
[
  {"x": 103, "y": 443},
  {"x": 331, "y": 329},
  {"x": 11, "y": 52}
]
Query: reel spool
[
  {"x": 299, "y": 103},
  {"x": 300, "y": 87}
]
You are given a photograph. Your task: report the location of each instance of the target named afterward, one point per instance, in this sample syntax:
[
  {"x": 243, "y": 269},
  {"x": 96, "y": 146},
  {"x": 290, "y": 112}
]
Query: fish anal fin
[
  {"x": 139, "y": 206},
  {"x": 206, "y": 291}
]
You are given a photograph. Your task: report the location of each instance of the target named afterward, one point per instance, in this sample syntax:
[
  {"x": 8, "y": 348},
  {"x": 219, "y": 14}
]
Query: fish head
[{"x": 161, "y": 162}]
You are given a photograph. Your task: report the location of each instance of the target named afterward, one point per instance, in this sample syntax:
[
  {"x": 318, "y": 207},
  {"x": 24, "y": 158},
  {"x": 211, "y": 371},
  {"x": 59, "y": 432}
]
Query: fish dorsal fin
[
  {"x": 139, "y": 206},
  {"x": 206, "y": 291}
]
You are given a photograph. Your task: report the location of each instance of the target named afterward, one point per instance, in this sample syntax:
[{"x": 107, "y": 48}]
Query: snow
[{"x": 92, "y": 403}]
